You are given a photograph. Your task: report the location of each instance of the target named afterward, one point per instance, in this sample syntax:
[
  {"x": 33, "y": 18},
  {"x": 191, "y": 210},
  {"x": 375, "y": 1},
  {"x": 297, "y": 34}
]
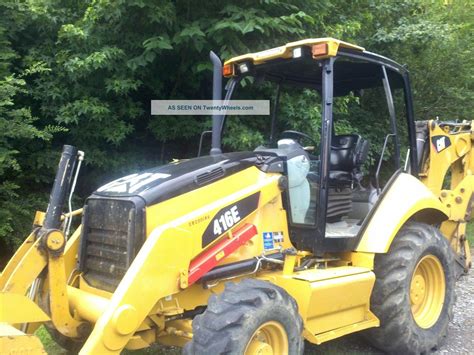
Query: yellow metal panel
[
  {"x": 153, "y": 275},
  {"x": 175, "y": 228},
  {"x": 12, "y": 341},
  {"x": 15, "y": 259},
  {"x": 405, "y": 197},
  {"x": 339, "y": 302},
  {"x": 39, "y": 218},
  {"x": 459, "y": 199},
  {"x": 16, "y": 309},
  {"x": 216, "y": 194},
  {"x": 71, "y": 252},
  {"x": 285, "y": 51},
  {"x": 330, "y": 273},
  {"x": 453, "y": 156},
  {"x": 142, "y": 340},
  {"x": 330, "y": 300},
  {"x": 270, "y": 215},
  {"x": 25, "y": 270},
  {"x": 371, "y": 322}
]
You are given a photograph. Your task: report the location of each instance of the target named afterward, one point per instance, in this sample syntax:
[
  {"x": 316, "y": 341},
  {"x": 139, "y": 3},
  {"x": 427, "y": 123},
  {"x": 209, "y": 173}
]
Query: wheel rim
[
  {"x": 427, "y": 291},
  {"x": 269, "y": 338}
]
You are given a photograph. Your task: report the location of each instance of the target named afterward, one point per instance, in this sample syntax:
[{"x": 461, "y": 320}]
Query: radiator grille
[{"x": 110, "y": 241}]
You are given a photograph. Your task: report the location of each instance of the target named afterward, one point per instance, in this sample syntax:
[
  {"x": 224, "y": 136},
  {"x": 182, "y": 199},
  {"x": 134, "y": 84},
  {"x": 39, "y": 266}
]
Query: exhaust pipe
[
  {"x": 61, "y": 186},
  {"x": 216, "y": 96}
]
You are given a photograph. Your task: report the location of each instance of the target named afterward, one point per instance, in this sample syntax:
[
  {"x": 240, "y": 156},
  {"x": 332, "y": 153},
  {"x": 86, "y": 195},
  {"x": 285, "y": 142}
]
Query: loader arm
[
  {"x": 43, "y": 250},
  {"x": 253, "y": 252},
  {"x": 447, "y": 169},
  {"x": 170, "y": 261}
]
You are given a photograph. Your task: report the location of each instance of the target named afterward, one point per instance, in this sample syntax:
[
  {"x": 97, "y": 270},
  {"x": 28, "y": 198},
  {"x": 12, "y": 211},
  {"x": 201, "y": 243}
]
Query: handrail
[{"x": 380, "y": 161}]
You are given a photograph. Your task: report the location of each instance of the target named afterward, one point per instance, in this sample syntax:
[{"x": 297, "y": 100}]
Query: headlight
[
  {"x": 297, "y": 52},
  {"x": 243, "y": 68}
]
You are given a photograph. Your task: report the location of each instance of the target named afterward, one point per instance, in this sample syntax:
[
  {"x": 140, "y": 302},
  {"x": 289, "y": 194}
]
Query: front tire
[
  {"x": 413, "y": 294},
  {"x": 251, "y": 317}
]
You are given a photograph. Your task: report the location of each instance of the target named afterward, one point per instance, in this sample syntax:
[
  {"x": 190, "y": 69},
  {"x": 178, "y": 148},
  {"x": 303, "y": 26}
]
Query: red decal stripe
[{"x": 210, "y": 258}]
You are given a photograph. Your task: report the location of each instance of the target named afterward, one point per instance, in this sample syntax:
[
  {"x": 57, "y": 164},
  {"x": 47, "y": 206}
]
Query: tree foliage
[{"x": 84, "y": 72}]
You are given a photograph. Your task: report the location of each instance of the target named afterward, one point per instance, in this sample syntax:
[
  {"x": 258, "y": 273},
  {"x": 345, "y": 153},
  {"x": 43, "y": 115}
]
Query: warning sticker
[
  {"x": 267, "y": 240},
  {"x": 270, "y": 238},
  {"x": 278, "y": 237}
]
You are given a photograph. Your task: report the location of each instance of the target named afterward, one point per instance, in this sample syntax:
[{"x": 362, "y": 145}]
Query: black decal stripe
[{"x": 245, "y": 207}]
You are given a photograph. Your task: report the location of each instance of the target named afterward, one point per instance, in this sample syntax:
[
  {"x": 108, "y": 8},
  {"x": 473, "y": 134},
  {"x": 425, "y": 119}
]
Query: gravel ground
[
  {"x": 460, "y": 333},
  {"x": 461, "y": 329}
]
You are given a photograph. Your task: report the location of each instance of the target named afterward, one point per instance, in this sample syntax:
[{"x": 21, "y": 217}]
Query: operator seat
[{"x": 348, "y": 154}]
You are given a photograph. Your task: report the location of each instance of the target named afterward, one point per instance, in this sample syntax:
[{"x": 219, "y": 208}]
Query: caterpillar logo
[{"x": 440, "y": 143}]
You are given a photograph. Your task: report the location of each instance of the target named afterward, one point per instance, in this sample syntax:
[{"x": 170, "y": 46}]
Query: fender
[{"x": 406, "y": 198}]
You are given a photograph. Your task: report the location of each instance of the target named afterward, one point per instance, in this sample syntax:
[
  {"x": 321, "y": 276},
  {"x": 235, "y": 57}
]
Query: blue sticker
[{"x": 267, "y": 240}]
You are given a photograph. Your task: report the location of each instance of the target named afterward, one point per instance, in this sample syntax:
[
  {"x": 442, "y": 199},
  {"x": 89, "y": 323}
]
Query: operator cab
[{"x": 336, "y": 168}]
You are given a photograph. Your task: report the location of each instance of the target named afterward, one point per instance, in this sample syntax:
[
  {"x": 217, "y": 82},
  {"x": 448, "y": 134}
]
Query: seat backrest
[{"x": 348, "y": 152}]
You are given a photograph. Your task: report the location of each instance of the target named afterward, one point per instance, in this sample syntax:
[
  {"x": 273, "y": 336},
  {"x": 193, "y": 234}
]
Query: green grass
[
  {"x": 49, "y": 344},
  {"x": 54, "y": 349}
]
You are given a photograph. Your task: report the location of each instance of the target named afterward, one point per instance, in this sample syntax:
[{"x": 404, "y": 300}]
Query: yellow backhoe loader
[{"x": 307, "y": 237}]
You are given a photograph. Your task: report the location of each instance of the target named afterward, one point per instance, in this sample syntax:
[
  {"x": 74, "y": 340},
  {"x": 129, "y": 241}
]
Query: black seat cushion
[
  {"x": 342, "y": 152},
  {"x": 339, "y": 175},
  {"x": 348, "y": 153}
]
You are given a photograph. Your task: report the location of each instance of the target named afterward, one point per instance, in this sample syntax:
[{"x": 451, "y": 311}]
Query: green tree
[
  {"x": 84, "y": 73},
  {"x": 20, "y": 133}
]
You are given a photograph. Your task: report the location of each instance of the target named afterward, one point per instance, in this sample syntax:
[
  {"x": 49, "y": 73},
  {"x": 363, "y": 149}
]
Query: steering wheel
[{"x": 298, "y": 137}]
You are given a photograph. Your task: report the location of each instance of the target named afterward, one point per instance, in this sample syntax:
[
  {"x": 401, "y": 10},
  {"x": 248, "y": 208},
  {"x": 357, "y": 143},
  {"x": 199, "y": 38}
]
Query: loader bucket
[
  {"x": 17, "y": 309},
  {"x": 14, "y": 341}
]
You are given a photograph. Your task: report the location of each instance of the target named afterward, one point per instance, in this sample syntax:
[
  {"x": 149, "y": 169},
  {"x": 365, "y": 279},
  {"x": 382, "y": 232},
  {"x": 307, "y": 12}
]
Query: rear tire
[
  {"x": 413, "y": 294},
  {"x": 246, "y": 318}
]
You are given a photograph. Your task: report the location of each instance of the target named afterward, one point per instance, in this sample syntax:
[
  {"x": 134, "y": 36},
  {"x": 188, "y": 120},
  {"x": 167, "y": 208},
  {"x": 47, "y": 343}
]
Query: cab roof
[
  {"x": 285, "y": 51},
  {"x": 359, "y": 70}
]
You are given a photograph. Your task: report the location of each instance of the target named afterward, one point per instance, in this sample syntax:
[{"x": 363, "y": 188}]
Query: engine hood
[{"x": 167, "y": 181}]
